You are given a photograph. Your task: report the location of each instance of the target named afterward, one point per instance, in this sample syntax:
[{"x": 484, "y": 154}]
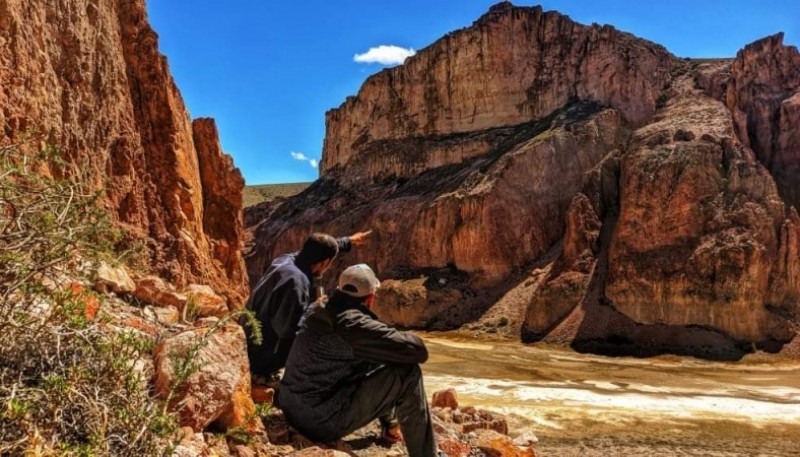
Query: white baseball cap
[{"x": 358, "y": 281}]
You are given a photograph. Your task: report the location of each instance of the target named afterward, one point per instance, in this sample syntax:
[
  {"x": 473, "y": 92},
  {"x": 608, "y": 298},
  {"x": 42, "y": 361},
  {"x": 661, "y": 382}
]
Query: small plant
[
  {"x": 69, "y": 384},
  {"x": 661, "y": 101},
  {"x": 190, "y": 311},
  {"x": 264, "y": 410},
  {"x": 239, "y": 435}
]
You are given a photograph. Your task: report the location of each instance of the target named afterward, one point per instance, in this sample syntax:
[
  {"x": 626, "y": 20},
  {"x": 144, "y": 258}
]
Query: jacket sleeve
[
  {"x": 373, "y": 340},
  {"x": 344, "y": 244}
]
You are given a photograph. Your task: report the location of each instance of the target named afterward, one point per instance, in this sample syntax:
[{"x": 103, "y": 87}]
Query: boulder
[
  {"x": 216, "y": 387},
  {"x": 113, "y": 279},
  {"x": 204, "y": 302},
  {"x": 454, "y": 447},
  {"x": 164, "y": 315},
  {"x": 526, "y": 439},
  {"x": 316, "y": 451},
  {"x": 445, "y": 399},
  {"x": 154, "y": 290},
  {"x": 495, "y": 444}
]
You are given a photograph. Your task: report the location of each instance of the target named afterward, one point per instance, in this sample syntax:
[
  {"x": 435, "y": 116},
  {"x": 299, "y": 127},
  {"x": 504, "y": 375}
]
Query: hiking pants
[{"x": 397, "y": 387}]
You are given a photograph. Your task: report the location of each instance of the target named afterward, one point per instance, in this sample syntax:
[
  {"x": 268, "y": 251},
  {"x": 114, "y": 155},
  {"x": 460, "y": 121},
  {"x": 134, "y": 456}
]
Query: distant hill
[{"x": 267, "y": 192}]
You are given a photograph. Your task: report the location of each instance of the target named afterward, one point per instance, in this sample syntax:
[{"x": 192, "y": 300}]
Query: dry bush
[{"x": 69, "y": 385}]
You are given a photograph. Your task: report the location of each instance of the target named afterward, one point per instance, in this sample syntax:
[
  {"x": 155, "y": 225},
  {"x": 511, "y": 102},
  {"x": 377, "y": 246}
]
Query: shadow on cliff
[{"x": 595, "y": 326}]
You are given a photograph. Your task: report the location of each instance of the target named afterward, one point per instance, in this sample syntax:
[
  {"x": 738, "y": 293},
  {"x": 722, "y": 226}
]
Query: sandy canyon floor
[{"x": 587, "y": 405}]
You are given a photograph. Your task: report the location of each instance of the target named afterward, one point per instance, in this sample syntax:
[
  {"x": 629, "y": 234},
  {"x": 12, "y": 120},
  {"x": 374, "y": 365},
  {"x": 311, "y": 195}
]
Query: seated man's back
[{"x": 347, "y": 368}]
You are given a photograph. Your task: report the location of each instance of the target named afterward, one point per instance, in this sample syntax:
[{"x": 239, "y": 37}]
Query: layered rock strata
[
  {"x": 87, "y": 77},
  {"x": 513, "y": 65},
  {"x": 585, "y": 185}
]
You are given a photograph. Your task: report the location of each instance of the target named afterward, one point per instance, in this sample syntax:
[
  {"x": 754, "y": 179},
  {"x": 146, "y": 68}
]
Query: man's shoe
[{"x": 391, "y": 434}]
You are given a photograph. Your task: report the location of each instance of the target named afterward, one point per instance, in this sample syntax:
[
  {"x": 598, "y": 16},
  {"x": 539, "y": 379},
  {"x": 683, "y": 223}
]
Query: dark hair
[{"x": 319, "y": 247}]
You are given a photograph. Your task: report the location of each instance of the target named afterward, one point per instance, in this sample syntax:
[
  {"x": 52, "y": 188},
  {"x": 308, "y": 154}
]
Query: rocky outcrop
[
  {"x": 584, "y": 185},
  {"x": 205, "y": 375},
  {"x": 694, "y": 256},
  {"x": 222, "y": 185},
  {"x": 467, "y": 226},
  {"x": 763, "y": 93},
  {"x": 512, "y": 66},
  {"x": 86, "y": 77}
]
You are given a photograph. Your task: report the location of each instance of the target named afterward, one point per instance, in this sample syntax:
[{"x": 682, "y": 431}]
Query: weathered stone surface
[
  {"x": 413, "y": 303},
  {"x": 526, "y": 439},
  {"x": 453, "y": 447},
  {"x": 643, "y": 213},
  {"x": 88, "y": 77},
  {"x": 763, "y": 93},
  {"x": 192, "y": 445},
  {"x": 165, "y": 315},
  {"x": 156, "y": 291},
  {"x": 512, "y": 66},
  {"x": 318, "y": 452},
  {"x": 219, "y": 390},
  {"x": 498, "y": 445},
  {"x": 478, "y": 221},
  {"x": 696, "y": 236},
  {"x": 445, "y": 399},
  {"x": 468, "y": 419},
  {"x": 699, "y": 251},
  {"x": 114, "y": 279},
  {"x": 205, "y": 302},
  {"x": 222, "y": 185}
]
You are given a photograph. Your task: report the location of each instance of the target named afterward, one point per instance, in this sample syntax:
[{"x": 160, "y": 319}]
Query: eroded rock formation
[
  {"x": 87, "y": 77},
  {"x": 573, "y": 182},
  {"x": 513, "y": 65}
]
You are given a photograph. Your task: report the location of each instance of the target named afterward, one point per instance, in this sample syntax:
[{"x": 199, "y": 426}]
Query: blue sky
[{"x": 267, "y": 70}]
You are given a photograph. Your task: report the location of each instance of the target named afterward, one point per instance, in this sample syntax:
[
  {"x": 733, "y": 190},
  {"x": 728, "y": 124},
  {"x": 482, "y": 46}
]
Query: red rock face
[
  {"x": 601, "y": 192},
  {"x": 88, "y": 77},
  {"x": 762, "y": 93},
  {"x": 698, "y": 251},
  {"x": 513, "y": 65},
  {"x": 467, "y": 227}
]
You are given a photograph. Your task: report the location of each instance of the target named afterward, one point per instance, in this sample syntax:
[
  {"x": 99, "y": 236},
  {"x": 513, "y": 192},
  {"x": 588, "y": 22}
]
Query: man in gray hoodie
[{"x": 347, "y": 368}]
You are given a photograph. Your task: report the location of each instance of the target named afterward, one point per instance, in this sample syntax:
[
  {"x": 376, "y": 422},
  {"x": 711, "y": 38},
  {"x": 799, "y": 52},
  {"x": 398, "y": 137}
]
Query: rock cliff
[
  {"x": 513, "y": 65},
  {"x": 87, "y": 77},
  {"x": 570, "y": 183}
]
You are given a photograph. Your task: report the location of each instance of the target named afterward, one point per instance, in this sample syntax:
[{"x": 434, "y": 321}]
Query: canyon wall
[
  {"x": 513, "y": 65},
  {"x": 86, "y": 76},
  {"x": 569, "y": 183}
]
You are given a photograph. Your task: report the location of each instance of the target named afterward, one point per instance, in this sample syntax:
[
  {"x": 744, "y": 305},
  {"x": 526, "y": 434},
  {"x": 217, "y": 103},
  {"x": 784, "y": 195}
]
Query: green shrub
[{"x": 69, "y": 385}]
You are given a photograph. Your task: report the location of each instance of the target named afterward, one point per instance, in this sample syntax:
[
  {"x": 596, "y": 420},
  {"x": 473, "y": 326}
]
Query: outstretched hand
[{"x": 360, "y": 238}]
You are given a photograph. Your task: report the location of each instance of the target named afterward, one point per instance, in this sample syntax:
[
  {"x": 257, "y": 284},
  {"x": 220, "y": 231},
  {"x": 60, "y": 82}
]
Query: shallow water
[{"x": 562, "y": 395}]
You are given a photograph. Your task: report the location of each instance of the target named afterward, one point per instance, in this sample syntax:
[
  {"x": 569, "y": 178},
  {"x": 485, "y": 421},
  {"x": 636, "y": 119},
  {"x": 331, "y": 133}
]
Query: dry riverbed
[{"x": 587, "y": 405}]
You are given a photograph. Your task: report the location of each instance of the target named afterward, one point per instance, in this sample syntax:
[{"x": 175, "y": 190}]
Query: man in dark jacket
[
  {"x": 282, "y": 295},
  {"x": 347, "y": 368}
]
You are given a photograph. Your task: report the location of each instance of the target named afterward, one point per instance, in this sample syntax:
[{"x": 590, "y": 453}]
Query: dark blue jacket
[{"x": 278, "y": 302}]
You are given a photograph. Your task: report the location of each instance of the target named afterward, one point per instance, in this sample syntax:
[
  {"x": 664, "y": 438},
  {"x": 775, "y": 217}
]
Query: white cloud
[
  {"x": 385, "y": 55},
  {"x": 303, "y": 158}
]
